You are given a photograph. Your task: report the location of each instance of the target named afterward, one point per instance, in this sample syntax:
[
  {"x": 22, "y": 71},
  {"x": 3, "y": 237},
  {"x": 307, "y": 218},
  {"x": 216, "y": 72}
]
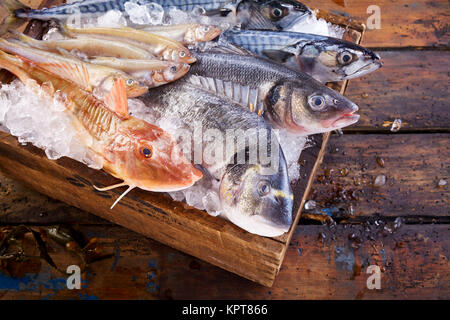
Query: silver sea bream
[{"x": 254, "y": 193}]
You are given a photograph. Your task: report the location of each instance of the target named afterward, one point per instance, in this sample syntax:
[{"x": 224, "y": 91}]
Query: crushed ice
[
  {"x": 318, "y": 26},
  {"x": 32, "y": 118}
]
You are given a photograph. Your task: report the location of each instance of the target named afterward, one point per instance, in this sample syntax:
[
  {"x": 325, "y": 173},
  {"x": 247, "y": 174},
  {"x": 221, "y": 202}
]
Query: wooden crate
[{"x": 156, "y": 215}]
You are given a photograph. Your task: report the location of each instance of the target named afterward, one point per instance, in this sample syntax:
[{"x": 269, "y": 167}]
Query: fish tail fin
[
  {"x": 13, "y": 65},
  {"x": 12, "y": 21}
]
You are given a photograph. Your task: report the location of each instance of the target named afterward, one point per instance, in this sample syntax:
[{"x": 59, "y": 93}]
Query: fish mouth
[
  {"x": 259, "y": 225},
  {"x": 136, "y": 92},
  {"x": 367, "y": 68},
  {"x": 346, "y": 120},
  {"x": 195, "y": 175},
  {"x": 189, "y": 60}
]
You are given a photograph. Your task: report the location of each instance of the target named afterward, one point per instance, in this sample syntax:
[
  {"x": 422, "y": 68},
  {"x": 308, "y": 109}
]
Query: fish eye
[
  {"x": 206, "y": 29},
  {"x": 345, "y": 58},
  {"x": 182, "y": 54},
  {"x": 173, "y": 69},
  {"x": 147, "y": 152},
  {"x": 277, "y": 12},
  {"x": 263, "y": 188},
  {"x": 130, "y": 82},
  {"x": 317, "y": 103}
]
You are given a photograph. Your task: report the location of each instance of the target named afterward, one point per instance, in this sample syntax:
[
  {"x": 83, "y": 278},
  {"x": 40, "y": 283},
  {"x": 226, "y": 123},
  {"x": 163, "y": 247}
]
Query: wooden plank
[
  {"x": 413, "y": 166},
  {"x": 403, "y": 23},
  {"x": 321, "y": 263},
  {"x": 21, "y": 205},
  {"x": 412, "y": 86}
]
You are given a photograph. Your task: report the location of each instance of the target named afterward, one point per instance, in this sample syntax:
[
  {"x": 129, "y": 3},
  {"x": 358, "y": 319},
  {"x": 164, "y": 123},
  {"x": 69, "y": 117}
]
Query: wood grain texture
[
  {"x": 412, "y": 86},
  {"x": 403, "y": 23},
  {"x": 413, "y": 166},
  {"x": 320, "y": 264}
]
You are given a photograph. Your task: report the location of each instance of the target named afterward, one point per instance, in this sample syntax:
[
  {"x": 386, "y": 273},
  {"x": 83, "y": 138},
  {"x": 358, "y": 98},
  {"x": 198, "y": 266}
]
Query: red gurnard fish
[{"x": 139, "y": 153}]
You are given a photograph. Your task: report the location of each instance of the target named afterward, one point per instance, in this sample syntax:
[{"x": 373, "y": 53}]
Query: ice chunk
[
  {"x": 317, "y": 26},
  {"x": 156, "y": 13},
  {"x": 380, "y": 181},
  {"x": 53, "y": 34},
  {"x": 211, "y": 202},
  {"x": 310, "y": 204},
  {"x": 112, "y": 19},
  {"x": 292, "y": 146},
  {"x": 151, "y": 13},
  {"x": 396, "y": 125}
]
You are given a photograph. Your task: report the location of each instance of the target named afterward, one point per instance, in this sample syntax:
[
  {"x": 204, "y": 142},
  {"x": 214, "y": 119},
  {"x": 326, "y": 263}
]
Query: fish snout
[
  {"x": 279, "y": 213},
  {"x": 346, "y": 115}
]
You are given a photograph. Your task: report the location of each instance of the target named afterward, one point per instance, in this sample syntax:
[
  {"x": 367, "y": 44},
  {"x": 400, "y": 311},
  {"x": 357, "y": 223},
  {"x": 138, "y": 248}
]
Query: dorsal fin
[
  {"x": 227, "y": 47},
  {"x": 116, "y": 99},
  {"x": 75, "y": 72},
  {"x": 245, "y": 96}
]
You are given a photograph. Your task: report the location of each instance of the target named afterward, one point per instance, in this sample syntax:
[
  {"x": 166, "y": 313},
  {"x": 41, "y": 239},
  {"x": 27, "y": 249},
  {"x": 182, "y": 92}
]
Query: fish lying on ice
[
  {"x": 283, "y": 96},
  {"x": 95, "y": 77},
  {"x": 152, "y": 73},
  {"x": 252, "y": 14},
  {"x": 159, "y": 46},
  {"x": 88, "y": 47},
  {"x": 186, "y": 33},
  {"x": 254, "y": 192},
  {"x": 141, "y": 154},
  {"x": 324, "y": 58}
]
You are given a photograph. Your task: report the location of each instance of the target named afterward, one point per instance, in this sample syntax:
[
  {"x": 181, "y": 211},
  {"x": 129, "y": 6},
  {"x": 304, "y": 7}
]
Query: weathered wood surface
[
  {"x": 413, "y": 166},
  {"x": 412, "y": 86},
  {"x": 403, "y": 23},
  {"x": 321, "y": 263}
]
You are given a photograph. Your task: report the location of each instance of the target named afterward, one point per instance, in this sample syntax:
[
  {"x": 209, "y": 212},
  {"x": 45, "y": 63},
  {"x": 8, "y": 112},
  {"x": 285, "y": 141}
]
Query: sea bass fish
[
  {"x": 133, "y": 150},
  {"x": 88, "y": 47},
  {"x": 283, "y": 96},
  {"x": 94, "y": 77},
  {"x": 186, "y": 33},
  {"x": 165, "y": 48},
  {"x": 254, "y": 194},
  {"x": 324, "y": 58},
  {"x": 152, "y": 73},
  {"x": 255, "y": 14}
]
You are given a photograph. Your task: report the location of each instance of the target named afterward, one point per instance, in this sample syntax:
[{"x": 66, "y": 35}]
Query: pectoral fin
[
  {"x": 116, "y": 99},
  {"x": 277, "y": 55}
]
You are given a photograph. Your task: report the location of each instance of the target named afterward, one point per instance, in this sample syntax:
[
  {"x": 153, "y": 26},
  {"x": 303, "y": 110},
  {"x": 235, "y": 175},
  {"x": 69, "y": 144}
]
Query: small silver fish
[{"x": 326, "y": 59}]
